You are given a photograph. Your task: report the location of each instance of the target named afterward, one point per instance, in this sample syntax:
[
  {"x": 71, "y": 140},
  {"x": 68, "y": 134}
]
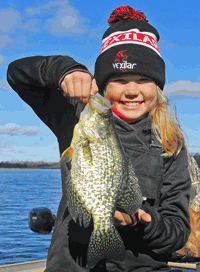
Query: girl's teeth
[{"x": 132, "y": 104}]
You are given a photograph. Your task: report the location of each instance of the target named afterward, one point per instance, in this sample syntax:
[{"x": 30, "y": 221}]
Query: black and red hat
[{"x": 129, "y": 46}]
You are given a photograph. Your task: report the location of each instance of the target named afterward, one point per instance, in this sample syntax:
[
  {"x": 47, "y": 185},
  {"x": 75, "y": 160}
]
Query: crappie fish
[{"x": 100, "y": 178}]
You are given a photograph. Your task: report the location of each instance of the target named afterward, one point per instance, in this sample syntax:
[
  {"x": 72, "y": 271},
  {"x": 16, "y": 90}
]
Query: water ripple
[{"x": 20, "y": 191}]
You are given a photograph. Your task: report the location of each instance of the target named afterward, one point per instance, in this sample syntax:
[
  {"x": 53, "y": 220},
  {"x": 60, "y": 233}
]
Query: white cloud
[
  {"x": 9, "y": 18},
  {"x": 16, "y": 41},
  {"x": 194, "y": 145},
  {"x": 4, "y": 40},
  {"x": 97, "y": 32},
  {"x": 47, "y": 153},
  {"x": 36, "y": 144},
  {"x": 58, "y": 18},
  {"x": 66, "y": 21},
  {"x": 32, "y": 26},
  {"x": 90, "y": 66},
  {"x": 14, "y": 129},
  {"x": 2, "y": 60},
  {"x": 183, "y": 88},
  {"x": 49, "y": 8},
  {"x": 4, "y": 86},
  {"x": 194, "y": 148},
  {"x": 164, "y": 43},
  {"x": 10, "y": 27},
  {"x": 13, "y": 148}
]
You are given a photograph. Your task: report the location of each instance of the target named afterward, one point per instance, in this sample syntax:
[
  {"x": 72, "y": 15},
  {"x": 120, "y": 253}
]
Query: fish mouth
[
  {"x": 97, "y": 103},
  {"x": 96, "y": 118},
  {"x": 101, "y": 103}
]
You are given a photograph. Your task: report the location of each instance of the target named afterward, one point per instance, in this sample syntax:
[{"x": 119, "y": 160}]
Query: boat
[
  {"x": 39, "y": 266},
  {"x": 37, "y": 217},
  {"x": 35, "y": 266},
  {"x": 186, "y": 267}
]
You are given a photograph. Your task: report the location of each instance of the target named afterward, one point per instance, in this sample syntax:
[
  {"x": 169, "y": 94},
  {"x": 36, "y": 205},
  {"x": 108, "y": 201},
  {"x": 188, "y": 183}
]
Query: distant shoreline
[{"x": 29, "y": 165}]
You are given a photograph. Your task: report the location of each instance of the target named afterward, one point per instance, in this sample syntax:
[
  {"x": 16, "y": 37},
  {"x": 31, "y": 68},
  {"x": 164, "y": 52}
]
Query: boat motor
[{"x": 41, "y": 220}]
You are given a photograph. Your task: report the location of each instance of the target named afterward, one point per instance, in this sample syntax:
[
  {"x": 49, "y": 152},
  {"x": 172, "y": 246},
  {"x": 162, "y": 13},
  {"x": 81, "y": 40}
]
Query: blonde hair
[{"x": 166, "y": 126}]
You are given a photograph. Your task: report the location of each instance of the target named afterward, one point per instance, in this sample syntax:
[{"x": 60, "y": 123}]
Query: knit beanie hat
[{"x": 129, "y": 46}]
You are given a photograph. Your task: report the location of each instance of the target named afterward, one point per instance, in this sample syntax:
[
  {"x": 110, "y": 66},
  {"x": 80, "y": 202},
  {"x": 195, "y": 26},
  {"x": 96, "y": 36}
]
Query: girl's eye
[
  {"x": 143, "y": 80},
  {"x": 120, "y": 80}
]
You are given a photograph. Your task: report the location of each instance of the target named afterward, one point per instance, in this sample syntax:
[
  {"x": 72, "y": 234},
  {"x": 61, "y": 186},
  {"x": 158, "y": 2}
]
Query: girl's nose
[{"x": 132, "y": 89}]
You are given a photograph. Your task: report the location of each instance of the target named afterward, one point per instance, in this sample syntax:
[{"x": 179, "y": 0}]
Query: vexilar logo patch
[{"x": 121, "y": 63}]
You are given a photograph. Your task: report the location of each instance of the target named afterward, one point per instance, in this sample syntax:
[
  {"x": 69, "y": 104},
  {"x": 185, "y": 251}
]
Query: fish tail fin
[{"x": 105, "y": 244}]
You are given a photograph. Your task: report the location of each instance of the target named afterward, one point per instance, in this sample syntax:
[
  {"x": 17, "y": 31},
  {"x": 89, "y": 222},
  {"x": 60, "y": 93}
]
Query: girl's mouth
[{"x": 129, "y": 104}]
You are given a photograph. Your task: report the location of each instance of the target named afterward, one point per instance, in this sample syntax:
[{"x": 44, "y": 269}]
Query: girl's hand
[
  {"x": 78, "y": 85},
  {"x": 123, "y": 219}
]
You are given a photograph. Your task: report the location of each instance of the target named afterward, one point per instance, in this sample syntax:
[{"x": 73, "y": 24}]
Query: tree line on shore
[
  {"x": 52, "y": 165},
  {"x": 30, "y": 165},
  {"x": 197, "y": 158}
]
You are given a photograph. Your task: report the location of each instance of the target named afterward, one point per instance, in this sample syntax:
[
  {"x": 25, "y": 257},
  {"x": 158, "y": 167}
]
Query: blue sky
[{"x": 75, "y": 28}]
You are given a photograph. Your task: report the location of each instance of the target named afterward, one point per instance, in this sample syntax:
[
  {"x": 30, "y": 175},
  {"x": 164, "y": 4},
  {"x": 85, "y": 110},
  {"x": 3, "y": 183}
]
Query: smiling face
[{"x": 132, "y": 95}]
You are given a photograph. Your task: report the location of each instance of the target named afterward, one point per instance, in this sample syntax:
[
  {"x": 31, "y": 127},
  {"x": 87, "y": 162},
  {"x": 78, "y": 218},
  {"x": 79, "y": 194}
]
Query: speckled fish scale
[{"x": 100, "y": 177}]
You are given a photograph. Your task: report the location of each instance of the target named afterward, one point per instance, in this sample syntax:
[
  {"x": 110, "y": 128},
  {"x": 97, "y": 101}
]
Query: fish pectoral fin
[
  {"x": 67, "y": 154},
  {"x": 105, "y": 244},
  {"x": 87, "y": 154}
]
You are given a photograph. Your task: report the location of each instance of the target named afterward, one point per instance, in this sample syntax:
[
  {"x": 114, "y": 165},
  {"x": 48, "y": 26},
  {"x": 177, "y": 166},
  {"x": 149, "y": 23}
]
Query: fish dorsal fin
[{"x": 67, "y": 154}]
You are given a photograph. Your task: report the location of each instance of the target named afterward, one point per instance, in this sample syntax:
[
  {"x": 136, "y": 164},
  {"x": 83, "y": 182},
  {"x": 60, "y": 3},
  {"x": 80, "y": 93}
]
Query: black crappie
[{"x": 100, "y": 178}]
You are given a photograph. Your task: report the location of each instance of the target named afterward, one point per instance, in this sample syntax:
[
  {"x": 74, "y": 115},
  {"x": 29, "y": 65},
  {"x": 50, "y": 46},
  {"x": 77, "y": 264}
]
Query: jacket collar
[
  {"x": 142, "y": 129},
  {"x": 140, "y": 125}
]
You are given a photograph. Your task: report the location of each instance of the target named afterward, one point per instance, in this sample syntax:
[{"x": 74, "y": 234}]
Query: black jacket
[{"x": 165, "y": 182}]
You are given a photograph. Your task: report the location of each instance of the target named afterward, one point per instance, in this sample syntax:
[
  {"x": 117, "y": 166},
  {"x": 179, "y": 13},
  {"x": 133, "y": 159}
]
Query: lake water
[{"x": 20, "y": 192}]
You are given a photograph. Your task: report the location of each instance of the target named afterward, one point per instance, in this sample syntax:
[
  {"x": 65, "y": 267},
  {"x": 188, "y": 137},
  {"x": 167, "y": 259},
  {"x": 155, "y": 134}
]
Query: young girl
[{"x": 131, "y": 73}]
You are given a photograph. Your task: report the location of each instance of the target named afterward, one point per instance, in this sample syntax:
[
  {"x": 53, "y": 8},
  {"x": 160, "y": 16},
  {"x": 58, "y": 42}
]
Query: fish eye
[{"x": 106, "y": 117}]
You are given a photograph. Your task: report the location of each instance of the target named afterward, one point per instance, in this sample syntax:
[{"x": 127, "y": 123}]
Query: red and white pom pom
[{"x": 125, "y": 12}]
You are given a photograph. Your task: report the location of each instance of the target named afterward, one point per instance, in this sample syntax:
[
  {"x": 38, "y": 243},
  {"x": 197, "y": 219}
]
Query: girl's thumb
[{"x": 94, "y": 88}]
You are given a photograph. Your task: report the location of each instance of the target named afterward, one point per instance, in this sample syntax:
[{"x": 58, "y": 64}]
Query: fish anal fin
[
  {"x": 84, "y": 216},
  {"x": 131, "y": 197}
]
